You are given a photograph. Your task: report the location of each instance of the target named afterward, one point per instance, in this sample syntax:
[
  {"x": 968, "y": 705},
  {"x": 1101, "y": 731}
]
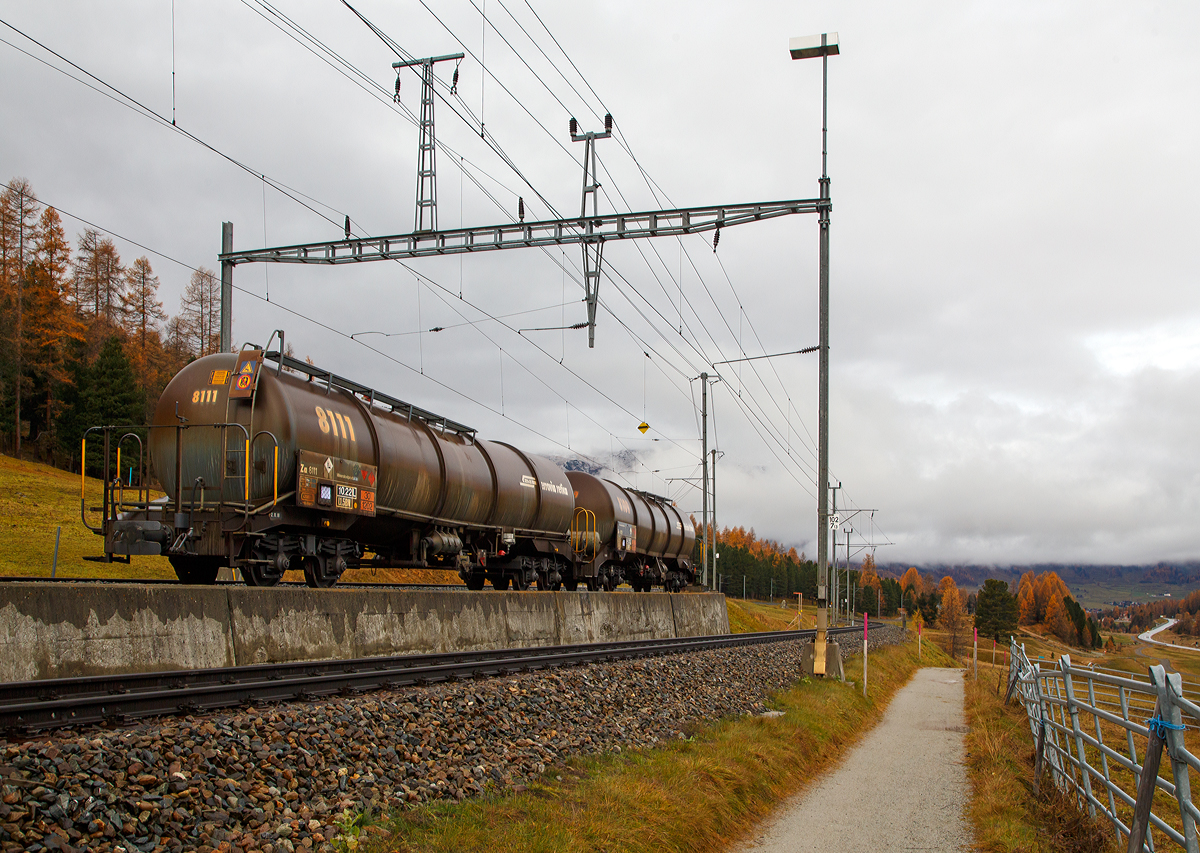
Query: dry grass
[
  {"x": 1008, "y": 813},
  {"x": 747, "y": 616},
  {"x": 699, "y": 795},
  {"x": 34, "y": 500}
]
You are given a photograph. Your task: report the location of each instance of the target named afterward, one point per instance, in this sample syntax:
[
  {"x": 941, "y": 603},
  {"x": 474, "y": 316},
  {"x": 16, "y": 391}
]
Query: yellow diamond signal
[{"x": 643, "y": 426}]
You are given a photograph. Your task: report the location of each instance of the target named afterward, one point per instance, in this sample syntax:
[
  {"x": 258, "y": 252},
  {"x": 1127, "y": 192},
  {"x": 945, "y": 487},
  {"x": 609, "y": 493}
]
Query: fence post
[
  {"x": 1085, "y": 771},
  {"x": 1013, "y": 675},
  {"x": 54, "y": 565},
  {"x": 1041, "y": 751},
  {"x": 1171, "y": 687},
  {"x": 1148, "y": 781},
  {"x": 1036, "y": 673}
]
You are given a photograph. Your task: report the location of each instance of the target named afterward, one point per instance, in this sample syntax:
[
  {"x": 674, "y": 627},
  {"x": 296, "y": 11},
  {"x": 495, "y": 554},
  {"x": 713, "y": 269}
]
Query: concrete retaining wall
[{"x": 64, "y": 630}]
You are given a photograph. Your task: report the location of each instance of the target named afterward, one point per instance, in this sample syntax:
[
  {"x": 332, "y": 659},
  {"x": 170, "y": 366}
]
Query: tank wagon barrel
[{"x": 270, "y": 464}]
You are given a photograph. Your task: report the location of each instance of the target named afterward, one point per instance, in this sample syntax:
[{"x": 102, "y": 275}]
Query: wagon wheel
[
  {"x": 256, "y": 574},
  {"x": 190, "y": 568},
  {"x": 500, "y": 584},
  {"x": 312, "y": 574},
  {"x": 475, "y": 582}
]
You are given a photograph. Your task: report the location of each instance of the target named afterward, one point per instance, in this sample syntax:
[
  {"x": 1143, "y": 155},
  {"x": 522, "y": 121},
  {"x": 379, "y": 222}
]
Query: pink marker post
[{"x": 864, "y": 654}]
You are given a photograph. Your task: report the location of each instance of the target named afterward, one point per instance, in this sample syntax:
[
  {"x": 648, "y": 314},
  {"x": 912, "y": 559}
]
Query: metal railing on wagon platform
[{"x": 1080, "y": 715}]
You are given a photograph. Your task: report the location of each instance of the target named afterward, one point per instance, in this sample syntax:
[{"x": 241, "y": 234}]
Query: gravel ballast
[{"x": 277, "y": 777}]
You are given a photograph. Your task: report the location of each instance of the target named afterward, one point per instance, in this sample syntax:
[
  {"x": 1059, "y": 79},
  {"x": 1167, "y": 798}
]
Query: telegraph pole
[
  {"x": 715, "y": 553},
  {"x": 803, "y": 48},
  {"x": 704, "y": 477}
]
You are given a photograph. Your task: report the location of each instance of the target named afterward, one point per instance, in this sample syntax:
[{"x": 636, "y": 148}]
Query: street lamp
[{"x": 806, "y": 47}]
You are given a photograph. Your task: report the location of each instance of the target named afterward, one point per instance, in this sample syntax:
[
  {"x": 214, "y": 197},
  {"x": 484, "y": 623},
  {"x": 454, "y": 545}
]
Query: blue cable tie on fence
[{"x": 1160, "y": 726}]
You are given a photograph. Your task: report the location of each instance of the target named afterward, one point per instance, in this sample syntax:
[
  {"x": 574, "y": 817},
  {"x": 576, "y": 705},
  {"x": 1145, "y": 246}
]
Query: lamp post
[{"x": 806, "y": 47}]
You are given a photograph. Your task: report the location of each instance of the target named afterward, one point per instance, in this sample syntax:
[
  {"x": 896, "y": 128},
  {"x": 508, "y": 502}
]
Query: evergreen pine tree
[{"x": 996, "y": 610}]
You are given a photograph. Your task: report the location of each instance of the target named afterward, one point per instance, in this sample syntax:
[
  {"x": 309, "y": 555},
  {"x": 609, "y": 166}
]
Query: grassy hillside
[{"x": 34, "y": 500}]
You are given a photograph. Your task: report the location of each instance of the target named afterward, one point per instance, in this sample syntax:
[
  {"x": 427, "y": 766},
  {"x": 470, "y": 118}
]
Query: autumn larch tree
[
  {"x": 201, "y": 310},
  {"x": 1027, "y": 601},
  {"x": 1059, "y": 621},
  {"x": 143, "y": 314},
  {"x": 912, "y": 585},
  {"x": 18, "y": 222},
  {"x": 99, "y": 284},
  {"x": 869, "y": 579},
  {"x": 953, "y": 618},
  {"x": 52, "y": 327}
]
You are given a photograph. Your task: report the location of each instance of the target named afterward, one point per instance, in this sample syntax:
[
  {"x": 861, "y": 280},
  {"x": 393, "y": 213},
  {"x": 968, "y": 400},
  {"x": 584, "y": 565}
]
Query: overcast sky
[{"x": 1015, "y": 341}]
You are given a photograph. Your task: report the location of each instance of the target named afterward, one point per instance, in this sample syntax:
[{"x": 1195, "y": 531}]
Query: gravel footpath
[
  {"x": 276, "y": 777},
  {"x": 859, "y": 806}
]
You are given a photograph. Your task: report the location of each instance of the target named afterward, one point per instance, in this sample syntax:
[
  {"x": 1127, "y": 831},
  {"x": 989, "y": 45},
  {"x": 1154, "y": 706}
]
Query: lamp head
[{"x": 806, "y": 47}]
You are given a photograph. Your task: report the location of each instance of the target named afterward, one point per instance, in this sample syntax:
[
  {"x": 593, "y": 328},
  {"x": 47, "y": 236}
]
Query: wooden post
[
  {"x": 1041, "y": 752},
  {"x": 1147, "y": 781},
  {"x": 1173, "y": 686}
]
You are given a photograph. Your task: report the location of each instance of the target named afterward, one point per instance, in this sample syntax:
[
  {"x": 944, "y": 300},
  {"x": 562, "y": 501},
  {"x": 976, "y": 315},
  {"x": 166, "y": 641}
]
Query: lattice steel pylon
[
  {"x": 427, "y": 147},
  {"x": 593, "y": 247}
]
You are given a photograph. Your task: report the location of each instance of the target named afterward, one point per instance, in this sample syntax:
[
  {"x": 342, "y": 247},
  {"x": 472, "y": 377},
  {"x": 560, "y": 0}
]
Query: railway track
[
  {"x": 30, "y": 706},
  {"x": 18, "y": 579}
]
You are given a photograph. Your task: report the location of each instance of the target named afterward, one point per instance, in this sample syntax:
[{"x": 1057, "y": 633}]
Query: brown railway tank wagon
[
  {"x": 271, "y": 464},
  {"x": 621, "y": 534}
]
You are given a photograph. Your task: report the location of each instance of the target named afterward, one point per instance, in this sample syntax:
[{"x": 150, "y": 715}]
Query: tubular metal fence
[{"x": 1090, "y": 725}]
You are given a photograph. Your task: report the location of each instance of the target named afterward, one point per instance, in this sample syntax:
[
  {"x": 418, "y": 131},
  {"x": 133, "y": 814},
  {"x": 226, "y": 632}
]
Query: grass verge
[
  {"x": 695, "y": 795},
  {"x": 36, "y": 499},
  {"x": 747, "y": 616},
  {"x": 1008, "y": 813}
]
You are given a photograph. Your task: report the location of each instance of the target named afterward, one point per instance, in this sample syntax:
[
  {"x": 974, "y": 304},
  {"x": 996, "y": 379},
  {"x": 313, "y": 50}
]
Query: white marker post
[
  {"x": 799, "y": 609},
  {"x": 918, "y": 641},
  {"x": 864, "y": 654},
  {"x": 976, "y": 652}
]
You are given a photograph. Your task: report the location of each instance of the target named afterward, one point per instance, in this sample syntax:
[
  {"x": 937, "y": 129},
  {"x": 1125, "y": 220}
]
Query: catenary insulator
[
  {"x": 574, "y": 126},
  {"x": 608, "y": 123}
]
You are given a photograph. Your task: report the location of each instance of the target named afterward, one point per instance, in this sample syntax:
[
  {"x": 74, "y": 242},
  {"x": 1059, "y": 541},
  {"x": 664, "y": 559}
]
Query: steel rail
[
  {"x": 351, "y": 585},
  {"x": 54, "y": 703}
]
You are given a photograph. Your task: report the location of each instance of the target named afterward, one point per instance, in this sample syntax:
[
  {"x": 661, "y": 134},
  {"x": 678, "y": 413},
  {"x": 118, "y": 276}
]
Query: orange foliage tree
[
  {"x": 912, "y": 578},
  {"x": 953, "y": 617}
]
